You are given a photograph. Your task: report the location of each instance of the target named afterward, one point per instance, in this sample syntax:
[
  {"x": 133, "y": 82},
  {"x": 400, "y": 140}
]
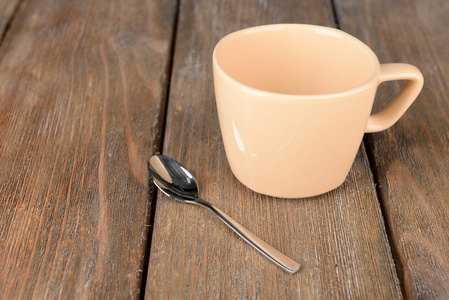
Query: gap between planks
[{"x": 158, "y": 148}]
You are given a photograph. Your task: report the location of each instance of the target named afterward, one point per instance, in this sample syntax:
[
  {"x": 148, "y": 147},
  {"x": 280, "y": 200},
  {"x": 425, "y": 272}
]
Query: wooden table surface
[{"x": 89, "y": 90}]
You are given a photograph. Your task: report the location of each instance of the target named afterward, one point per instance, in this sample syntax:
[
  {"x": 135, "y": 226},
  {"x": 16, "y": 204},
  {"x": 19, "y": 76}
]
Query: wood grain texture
[
  {"x": 7, "y": 8},
  {"x": 412, "y": 158},
  {"x": 82, "y": 86},
  {"x": 338, "y": 238}
]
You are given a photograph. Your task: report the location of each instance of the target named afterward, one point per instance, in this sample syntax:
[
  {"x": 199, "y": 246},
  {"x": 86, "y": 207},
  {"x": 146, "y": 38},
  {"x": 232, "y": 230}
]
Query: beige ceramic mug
[{"x": 294, "y": 102}]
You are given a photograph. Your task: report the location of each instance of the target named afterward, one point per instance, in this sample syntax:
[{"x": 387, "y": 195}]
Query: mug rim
[{"x": 358, "y": 43}]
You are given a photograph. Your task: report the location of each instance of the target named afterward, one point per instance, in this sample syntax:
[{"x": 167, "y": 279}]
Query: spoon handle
[{"x": 272, "y": 254}]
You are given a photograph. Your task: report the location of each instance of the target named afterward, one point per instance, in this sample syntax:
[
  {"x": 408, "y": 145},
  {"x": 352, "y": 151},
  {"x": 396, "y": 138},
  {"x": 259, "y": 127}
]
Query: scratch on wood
[
  {"x": 103, "y": 239},
  {"x": 136, "y": 163}
]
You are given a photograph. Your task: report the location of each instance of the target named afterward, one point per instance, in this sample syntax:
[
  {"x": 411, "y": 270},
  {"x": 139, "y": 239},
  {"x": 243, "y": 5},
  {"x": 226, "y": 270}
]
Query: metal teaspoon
[{"x": 176, "y": 182}]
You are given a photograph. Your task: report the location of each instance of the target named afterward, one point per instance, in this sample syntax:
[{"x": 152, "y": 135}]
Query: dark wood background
[{"x": 89, "y": 90}]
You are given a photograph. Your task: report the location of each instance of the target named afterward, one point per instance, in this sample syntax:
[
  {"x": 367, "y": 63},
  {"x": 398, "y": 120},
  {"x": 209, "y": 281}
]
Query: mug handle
[{"x": 397, "y": 107}]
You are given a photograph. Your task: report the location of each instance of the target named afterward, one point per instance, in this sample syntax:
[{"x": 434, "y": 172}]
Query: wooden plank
[
  {"x": 338, "y": 238},
  {"x": 82, "y": 87},
  {"x": 7, "y": 8},
  {"x": 412, "y": 158}
]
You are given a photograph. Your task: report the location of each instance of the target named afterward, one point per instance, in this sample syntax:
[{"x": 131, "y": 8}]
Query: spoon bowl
[{"x": 172, "y": 178}]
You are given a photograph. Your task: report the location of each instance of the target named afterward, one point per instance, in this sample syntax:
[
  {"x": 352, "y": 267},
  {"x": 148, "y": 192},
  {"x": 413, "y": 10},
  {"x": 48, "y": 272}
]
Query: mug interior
[{"x": 296, "y": 59}]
